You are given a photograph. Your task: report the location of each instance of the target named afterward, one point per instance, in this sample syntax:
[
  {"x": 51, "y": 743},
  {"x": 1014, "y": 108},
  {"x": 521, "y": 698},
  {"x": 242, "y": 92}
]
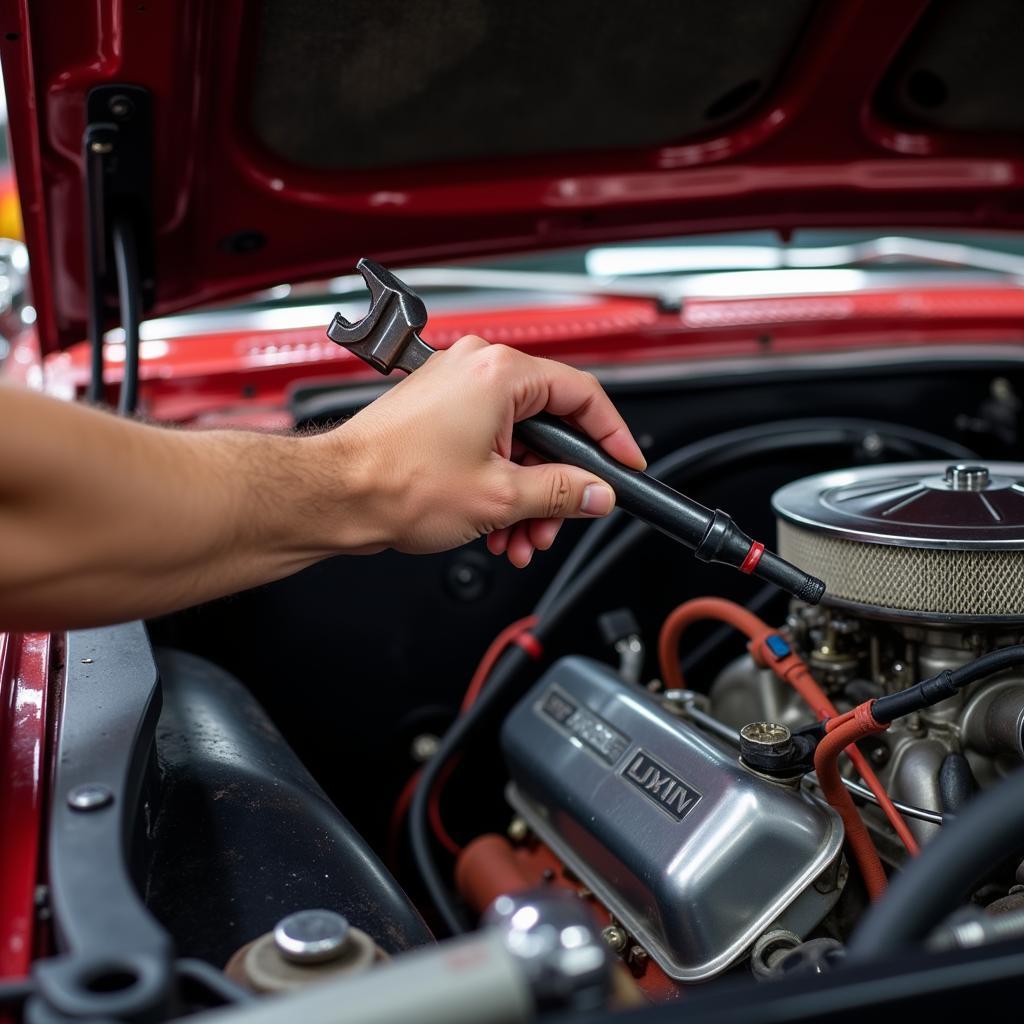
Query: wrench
[{"x": 388, "y": 338}]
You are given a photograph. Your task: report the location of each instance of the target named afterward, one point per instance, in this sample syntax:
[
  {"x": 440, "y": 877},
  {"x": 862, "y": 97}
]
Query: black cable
[
  {"x": 488, "y": 704},
  {"x": 129, "y": 290},
  {"x": 746, "y": 442},
  {"x": 990, "y": 829},
  {"x": 94, "y": 177},
  {"x": 939, "y": 687}
]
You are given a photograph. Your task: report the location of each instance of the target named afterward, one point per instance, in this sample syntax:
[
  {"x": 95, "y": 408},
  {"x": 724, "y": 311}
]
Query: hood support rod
[{"x": 117, "y": 157}]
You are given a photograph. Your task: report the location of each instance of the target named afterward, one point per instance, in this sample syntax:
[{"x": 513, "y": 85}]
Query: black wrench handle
[{"x": 711, "y": 535}]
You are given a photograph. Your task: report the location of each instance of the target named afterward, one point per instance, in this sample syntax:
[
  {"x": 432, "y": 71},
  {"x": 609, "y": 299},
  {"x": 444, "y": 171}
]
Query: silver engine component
[
  {"x": 695, "y": 855},
  {"x": 922, "y": 540},
  {"x": 925, "y": 570}
]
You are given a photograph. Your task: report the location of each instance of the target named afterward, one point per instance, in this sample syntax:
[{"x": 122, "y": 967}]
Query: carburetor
[{"x": 925, "y": 566}]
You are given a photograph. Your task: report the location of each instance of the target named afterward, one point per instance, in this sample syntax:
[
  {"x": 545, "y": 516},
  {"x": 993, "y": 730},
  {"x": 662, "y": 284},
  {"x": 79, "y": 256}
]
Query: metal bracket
[
  {"x": 117, "y": 154},
  {"x": 116, "y": 960}
]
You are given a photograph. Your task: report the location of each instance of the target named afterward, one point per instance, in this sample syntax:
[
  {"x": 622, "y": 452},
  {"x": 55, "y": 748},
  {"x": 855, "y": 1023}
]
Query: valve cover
[{"x": 695, "y": 855}]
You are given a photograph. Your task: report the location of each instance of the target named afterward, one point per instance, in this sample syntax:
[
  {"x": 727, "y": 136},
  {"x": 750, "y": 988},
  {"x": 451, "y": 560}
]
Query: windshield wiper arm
[
  {"x": 677, "y": 259},
  {"x": 659, "y": 289}
]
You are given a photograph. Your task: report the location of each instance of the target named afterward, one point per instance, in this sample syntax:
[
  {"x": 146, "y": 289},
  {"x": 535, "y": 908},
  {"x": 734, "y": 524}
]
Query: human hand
[{"x": 440, "y": 465}]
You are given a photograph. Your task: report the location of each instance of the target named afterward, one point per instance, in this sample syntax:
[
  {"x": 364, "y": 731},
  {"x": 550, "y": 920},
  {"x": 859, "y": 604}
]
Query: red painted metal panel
[
  {"x": 242, "y": 378},
  {"x": 24, "y": 676},
  {"x": 814, "y": 153}
]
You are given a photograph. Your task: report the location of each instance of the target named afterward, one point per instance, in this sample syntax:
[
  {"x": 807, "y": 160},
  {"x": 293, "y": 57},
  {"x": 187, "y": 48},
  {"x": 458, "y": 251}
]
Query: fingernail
[{"x": 598, "y": 500}]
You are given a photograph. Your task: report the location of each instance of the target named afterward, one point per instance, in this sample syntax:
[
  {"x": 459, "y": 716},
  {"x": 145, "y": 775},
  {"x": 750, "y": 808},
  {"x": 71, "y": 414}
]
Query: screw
[
  {"x": 873, "y": 444},
  {"x": 120, "y": 106},
  {"x": 1002, "y": 389},
  {"x": 312, "y": 936},
  {"x": 90, "y": 796},
  {"x": 424, "y": 747},
  {"x": 101, "y": 148},
  {"x": 615, "y": 936},
  {"x": 517, "y": 830},
  {"x": 878, "y": 756}
]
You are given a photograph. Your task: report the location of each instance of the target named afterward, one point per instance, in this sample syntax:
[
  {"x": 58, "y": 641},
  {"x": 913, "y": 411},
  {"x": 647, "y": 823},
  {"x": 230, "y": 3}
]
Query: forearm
[{"x": 103, "y": 519}]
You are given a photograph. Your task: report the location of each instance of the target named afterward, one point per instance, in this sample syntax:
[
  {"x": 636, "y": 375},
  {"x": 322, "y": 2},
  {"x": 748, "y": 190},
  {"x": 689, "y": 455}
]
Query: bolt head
[
  {"x": 873, "y": 444},
  {"x": 90, "y": 796},
  {"x": 424, "y": 747},
  {"x": 615, "y": 937},
  {"x": 312, "y": 936},
  {"x": 964, "y": 477},
  {"x": 121, "y": 107},
  {"x": 517, "y": 830}
]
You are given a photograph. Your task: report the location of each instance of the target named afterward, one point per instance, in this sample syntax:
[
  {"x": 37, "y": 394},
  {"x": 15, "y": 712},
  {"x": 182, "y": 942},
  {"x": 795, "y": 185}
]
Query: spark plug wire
[
  {"x": 770, "y": 650},
  {"x": 517, "y": 633}
]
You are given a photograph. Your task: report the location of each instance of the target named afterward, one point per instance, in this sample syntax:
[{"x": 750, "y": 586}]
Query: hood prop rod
[{"x": 117, "y": 156}]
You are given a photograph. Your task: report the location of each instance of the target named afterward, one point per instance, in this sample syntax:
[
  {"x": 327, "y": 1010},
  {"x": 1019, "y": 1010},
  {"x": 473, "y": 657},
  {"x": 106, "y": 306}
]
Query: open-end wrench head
[
  {"x": 384, "y": 285},
  {"x": 387, "y": 337}
]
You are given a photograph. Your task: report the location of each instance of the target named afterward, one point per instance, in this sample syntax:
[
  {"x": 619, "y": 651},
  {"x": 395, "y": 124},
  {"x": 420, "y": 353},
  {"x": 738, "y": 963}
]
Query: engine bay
[{"x": 654, "y": 749}]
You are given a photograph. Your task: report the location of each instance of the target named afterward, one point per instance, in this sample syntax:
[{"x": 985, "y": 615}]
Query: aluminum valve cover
[
  {"x": 695, "y": 855},
  {"x": 926, "y": 540}
]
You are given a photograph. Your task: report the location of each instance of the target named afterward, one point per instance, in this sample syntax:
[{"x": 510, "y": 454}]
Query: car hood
[{"x": 279, "y": 140}]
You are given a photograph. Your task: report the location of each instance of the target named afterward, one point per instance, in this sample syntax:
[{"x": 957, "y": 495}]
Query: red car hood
[{"x": 290, "y": 137}]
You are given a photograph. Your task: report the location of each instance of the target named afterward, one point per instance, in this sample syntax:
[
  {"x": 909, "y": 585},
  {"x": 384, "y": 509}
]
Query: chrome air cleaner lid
[{"x": 931, "y": 540}]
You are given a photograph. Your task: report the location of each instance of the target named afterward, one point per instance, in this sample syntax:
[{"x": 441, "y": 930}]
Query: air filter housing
[{"x": 922, "y": 540}]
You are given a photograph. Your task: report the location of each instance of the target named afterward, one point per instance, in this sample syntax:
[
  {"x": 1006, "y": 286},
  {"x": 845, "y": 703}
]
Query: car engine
[{"x": 695, "y": 823}]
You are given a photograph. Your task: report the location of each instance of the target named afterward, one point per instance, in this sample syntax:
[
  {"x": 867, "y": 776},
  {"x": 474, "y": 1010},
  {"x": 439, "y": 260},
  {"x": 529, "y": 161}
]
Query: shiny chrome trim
[
  {"x": 477, "y": 288},
  {"x": 614, "y": 260}
]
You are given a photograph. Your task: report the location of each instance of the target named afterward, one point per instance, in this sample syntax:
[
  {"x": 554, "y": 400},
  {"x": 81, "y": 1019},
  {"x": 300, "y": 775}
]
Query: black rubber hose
[
  {"x": 747, "y": 442},
  {"x": 95, "y": 393},
  {"x": 129, "y": 288},
  {"x": 990, "y": 829},
  {"x": 939, "y": 687}
]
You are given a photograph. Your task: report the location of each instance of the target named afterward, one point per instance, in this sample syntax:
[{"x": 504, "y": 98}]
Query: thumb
[{"x": 553, "y": 491}]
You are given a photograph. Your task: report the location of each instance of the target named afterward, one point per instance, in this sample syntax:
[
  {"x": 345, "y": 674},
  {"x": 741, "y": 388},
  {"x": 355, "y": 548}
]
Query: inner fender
[{"x": 242, "y": 835}]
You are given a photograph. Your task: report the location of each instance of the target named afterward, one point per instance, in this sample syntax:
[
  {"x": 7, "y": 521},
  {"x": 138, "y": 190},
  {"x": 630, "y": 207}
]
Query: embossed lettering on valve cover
[
  {"x": 584, "y": 726},
  {"x": 657, "y": 783}
]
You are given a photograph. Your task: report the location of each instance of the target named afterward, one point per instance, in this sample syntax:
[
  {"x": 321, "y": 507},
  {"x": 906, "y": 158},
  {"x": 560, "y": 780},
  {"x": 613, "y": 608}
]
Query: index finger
[{"x": 577, "y": 396}]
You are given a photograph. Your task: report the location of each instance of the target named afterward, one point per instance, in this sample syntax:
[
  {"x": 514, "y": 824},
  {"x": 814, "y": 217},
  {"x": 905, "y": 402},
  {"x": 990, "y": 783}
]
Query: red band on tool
[
  {"x": 753, "y": 557},
  {"x": 530, "y": 644}
]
